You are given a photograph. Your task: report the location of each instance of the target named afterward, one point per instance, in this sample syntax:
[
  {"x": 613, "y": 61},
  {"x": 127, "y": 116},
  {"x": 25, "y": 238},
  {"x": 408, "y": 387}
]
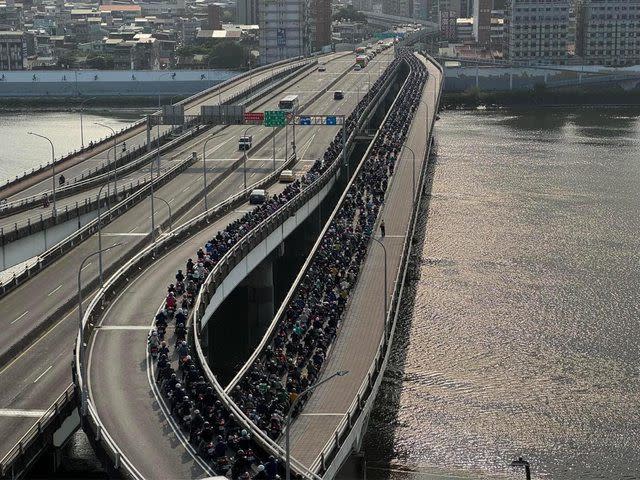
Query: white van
[
  {"x": 287, "y": 176},
  {"x": 245, "y": 142},
  {"x": 257, "y": 196}
]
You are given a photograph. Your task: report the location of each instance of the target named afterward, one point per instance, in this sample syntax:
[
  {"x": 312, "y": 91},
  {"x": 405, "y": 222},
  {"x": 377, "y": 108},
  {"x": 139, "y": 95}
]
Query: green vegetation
[
  {"x": 540, "y": 96},
  {"x": 349, "y": 14},
  {"x": 225, "y": 54}
]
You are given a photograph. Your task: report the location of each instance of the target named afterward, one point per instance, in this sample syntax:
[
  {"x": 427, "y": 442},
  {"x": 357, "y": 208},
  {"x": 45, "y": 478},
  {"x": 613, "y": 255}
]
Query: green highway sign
[{"x": 275, "y": 118}]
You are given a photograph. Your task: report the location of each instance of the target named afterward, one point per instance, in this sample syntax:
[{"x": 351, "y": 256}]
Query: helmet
[
  {"x": 261, "y": 468},
  {"x": 153, "y": 333},
  {"x": 178, "y": 385},
  {"x": 196, "y": 412}
]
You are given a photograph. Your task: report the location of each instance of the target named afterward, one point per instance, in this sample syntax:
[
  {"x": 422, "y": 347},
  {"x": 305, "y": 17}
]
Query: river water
[
  {"x": 20, "y": 151},
  {"x": 521, "y": 335}
]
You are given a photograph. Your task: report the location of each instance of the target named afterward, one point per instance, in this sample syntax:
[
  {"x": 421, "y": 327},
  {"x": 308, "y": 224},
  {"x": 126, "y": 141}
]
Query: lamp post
[
  {"x": 244, "y": 157},
  {"x": 80, "y": 353},
  {"x": 115, "y": 144},
  {"x": 520, "y": 462},
  {"x": 168, "y": 206},
  {"x": 81, "y": 126},
  {"x": 53, "y": 168},
  {"x": 204, "y": 169},
  {"x": 100, "y": 231},
  {"x": 339, "y": 373},
  {"x": 159, "y": 113},
  {"x": 413, "y": 169}
]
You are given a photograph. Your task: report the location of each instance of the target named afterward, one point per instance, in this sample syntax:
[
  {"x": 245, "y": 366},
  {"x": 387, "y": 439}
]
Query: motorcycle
[{"x": 153, "y": 350}]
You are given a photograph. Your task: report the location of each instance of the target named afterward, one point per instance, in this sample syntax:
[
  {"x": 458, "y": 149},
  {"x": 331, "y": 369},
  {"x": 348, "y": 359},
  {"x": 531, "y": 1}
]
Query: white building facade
[{"x": 284, "y": 29}]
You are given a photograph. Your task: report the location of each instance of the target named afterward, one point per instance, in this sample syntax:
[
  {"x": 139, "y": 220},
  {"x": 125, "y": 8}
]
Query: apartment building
[
  {"x": 482, "y": 21},
  {"x": 608, "y": 32},
  {"x": 539, "y": 31},
  {"x": 11, "y": 50},
  {"x": 284, "y": 29}
]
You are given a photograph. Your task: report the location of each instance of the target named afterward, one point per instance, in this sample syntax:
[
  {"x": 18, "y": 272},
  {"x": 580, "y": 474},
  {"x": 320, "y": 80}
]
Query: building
[
  {"x": 320, "y": 24},
  {"x": 482, "y": 21},
  {"x": 464, "y": 30},
  {"x": 608, "y": 32},
  {"x": 539, "y": 31},
  {"x": 284, "y": 29},
  {"x": 214, "y": 17},
  {"x": 247, "y": 12},
  {"x": 11, "y": 50},
  {"x": 496, "y": 38},
  {"x": 448, "y": 24},
  {"x": 401, "y": 8}
]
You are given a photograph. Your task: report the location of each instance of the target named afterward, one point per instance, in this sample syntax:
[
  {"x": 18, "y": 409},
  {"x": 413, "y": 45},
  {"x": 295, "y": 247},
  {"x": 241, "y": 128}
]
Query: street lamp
[
  {"x": 413, "y": 168},
  {"x": 115, "y": 165},
  {"x": 81, "y": 351},
  {"x": 339, "y": 373},
  {"x": 168, "y": 206},
  {"x": 204, "y": 169},
  {"x": 520, "y": 462},
  {"x": 244, "y": 157},
  {"x": 81, "y": 126},
  {"x": 53, "y": 168},
  {"x": 100, "y": 231}
]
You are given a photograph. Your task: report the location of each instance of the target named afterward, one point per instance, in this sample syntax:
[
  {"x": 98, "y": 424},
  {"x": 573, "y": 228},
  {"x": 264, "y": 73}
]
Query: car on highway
[
  {"x": 257, "y": 196},
  {"x": 245, "y": 142},
  {"x": 287, "y": 176},
  {"x": 357, "y": 68},
  {"x": 338, "y": 95},
  {"x": 322, "y": 68}
]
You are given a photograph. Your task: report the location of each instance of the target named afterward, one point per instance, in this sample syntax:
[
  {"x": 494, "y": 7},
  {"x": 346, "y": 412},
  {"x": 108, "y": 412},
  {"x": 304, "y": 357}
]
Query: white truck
[{"x": 245, "y": 142}]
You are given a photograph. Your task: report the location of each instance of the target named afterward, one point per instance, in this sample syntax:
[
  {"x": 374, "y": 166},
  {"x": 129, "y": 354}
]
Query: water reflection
[{"x": 522, "y": 337}]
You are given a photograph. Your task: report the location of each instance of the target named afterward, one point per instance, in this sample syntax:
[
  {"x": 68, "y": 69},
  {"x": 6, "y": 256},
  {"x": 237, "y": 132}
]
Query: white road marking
[
  {"x": 128, "y": 234},
  {"x": 123, "y": 327},
  {"x": 132, "y": 229},
  {"x": 43, "y": 373},
  {"x": 322, "y": 414},
  {"x": 87, "y": 265},
  {"x": 25, "y": 312},
  {"x": 54, "y": 290},
  {"x": 8, "y": 412}
]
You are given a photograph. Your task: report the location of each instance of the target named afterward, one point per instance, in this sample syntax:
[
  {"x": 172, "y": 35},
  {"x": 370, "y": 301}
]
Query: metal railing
[
  {"x": 36, "y": 429},
  {"x": 368, "y": 386},
  {"x": 140, "y": 123},
  {"x": 128, "y": 272},
  {"x": 235, "y": 256}
]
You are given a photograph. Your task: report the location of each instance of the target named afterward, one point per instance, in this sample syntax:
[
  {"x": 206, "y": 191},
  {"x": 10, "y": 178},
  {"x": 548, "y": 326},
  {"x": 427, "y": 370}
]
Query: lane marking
[
  {"x": 132, "y": 229},
  {"x": 128, "y": 234},
  {"x": 322, "y": 414},
  {"x": 8, "y": 412},
  {"x": 25, "y": 312},
  {"x": 123, "y": 327},
  {"x": 87, "y": 265},
  {"x": 54, "y": 290},
  {"x": 43, "y": 373}
]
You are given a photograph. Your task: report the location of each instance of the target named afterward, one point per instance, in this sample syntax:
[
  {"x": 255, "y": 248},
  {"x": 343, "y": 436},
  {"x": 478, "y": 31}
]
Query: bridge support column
[{"x": 260, "y": 301}]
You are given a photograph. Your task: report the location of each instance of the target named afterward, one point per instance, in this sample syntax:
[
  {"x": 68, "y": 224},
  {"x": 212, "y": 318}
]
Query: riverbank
[{"x": 541, "y": 97}]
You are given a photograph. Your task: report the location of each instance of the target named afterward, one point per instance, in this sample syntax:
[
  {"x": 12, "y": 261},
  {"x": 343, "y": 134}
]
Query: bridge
[{"x": 114, "y": 378}]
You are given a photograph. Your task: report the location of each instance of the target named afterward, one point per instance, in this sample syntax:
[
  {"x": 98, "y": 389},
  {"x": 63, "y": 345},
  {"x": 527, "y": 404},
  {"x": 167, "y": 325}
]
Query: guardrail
[
  {"x": 129, "y": 131},
  {"x": 364, "y": 397},
  {"x": 79, "y": 235},
  {"x": 31, "y": 435},
  {"x": 232, "y": 258},
  {"x": 133, "y": 160},
  {"x": 137, "y": 264},
  {"x": 126, "y": 274}
]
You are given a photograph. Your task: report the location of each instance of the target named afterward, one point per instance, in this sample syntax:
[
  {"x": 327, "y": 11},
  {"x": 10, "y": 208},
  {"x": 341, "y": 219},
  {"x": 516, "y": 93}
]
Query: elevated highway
[
  {"x": 332, "y": 423},
  {"x": 39, "y": 373}
]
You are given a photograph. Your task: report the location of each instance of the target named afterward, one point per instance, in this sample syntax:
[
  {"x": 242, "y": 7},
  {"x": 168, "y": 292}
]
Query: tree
[{"x": 349, "y": 13}]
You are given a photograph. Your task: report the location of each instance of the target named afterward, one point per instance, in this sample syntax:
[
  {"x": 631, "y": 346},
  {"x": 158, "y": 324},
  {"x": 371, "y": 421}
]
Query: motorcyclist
[
  {"x": 171, "y": 301},
  {"x": 153, "y": 341},
  {"x": 179, "y": 276},
  {"x": 181, "y": 332},
  {"x": 164, "y": 350},
  {"x": 180, "y": 316},
  {"x": 197, "y": 421},
  {"x": 183, "y": 350}
]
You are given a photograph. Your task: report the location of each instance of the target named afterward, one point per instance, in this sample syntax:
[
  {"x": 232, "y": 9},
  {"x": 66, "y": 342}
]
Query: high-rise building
[
  {"x": 214, "y": 17},
  {"x": 608, "y": 32},
  {"x": 11, "y": 50},
  {"x": 320, "y": 22},
  {"x": 284, "y": 29},
  {"x": 482, "y": 21},
  {"x": 400, "y": 8},
  {"x": 247, "y": 12},
  {"x": 539, "y": 31}
]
